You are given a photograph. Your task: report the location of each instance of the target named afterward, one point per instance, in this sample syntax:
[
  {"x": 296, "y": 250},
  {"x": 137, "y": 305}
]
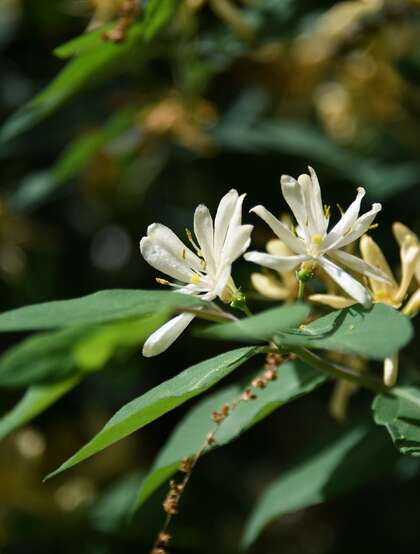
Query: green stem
[
  {"x": 301, "y": 292},
  {"x": 246, "y": 310},
  {"x": 339, "y": 372}
]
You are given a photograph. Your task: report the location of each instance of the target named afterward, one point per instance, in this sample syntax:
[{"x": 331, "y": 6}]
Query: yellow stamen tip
[
  {"x": 373, "y": 226},
  {"x": 317, "y": 239},
  {"x": 327, "y": 211},
  {"x": 195, "y": 279},
  {"x": 184, "y": 253},
  {"x": 189, "y": 234},
  {"x": 340, "y": 209},
  {"x": 162, "y": 281}
]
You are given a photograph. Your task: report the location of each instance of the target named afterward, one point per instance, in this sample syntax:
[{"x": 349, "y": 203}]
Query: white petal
[
  {"x": 413, "y": 305},
  {"x": 280, "y": 229},
  {"x": 203, "y": 229},
  {"x": 359, "y": 228},
  {"x": 223, "y": 217},
  {"x": 237, "y": 243},
  {"x": 320, "y": 220},
  {"x": 170, "y": 242},
  {"x": 163, "y": 260},
  {"x": 222, "y": 282},
  {"x": 391, "y": 370},
  {"x": 163, "y": 337},
  {"x": 401, "y": 232},
  {"x": 355, "y": 289},
  {"x": 279, "y": 263},
  {"x": 294, "y": 196},
  {"x": 357, "y": 264},
  {"x": 346, "y": 221},
  {"x": 234, "y": 224}
]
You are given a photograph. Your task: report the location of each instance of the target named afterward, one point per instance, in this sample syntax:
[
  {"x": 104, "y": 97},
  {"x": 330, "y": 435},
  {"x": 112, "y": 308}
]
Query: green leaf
[
  {"x": 377, "y": 332},
  {"x": 399, "y": 412},
  {"x": 55, "y": 355},
  {"x": 35, "y": 188},
  {"x": 295, "y": 379},
  {"x": 338, "y": 466},
  {"x": 35, "y": 401},
  {"x": 100, "y": 307},
  {"x": 262, "y": 326},
  {"x": 95, "y": 61},
  {"x": 38, "y": 358},
  {"x": 160, "y": 400}
]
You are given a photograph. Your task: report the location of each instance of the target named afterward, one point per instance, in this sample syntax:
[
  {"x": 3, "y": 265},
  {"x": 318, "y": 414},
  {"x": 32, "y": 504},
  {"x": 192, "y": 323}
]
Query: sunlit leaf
[
  {"x": 262, "y": 326},
  {"x": 377, "y": 332},
  {"x": 160, "y": 400}
]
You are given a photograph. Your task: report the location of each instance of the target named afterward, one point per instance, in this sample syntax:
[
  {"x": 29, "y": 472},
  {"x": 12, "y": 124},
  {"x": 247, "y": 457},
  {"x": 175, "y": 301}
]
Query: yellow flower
[{"x": 392, "y": 293}]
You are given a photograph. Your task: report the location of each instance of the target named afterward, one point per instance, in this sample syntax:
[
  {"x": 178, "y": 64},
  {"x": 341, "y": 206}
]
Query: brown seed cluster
[
  {"x": 170, "y": 504},
  {"x": 128, "y": 12},
  {"x": 186, "y": 465},
  {"x": 220, "y": 415}
]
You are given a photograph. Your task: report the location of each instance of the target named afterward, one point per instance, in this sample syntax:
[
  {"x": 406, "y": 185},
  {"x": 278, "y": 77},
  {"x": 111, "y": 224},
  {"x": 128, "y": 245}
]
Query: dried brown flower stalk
[{"x": 187, "y": 465}]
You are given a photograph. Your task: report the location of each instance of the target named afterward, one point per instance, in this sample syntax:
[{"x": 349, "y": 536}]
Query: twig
[{"x": 187, "y": 465}]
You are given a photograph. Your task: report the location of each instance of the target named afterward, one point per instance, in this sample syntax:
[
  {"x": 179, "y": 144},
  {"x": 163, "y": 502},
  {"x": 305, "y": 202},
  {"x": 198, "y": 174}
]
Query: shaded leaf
[
  {"x": 160, "y": 400},
  {"x": 100, "y": 307},
  {"x": 377, "y": 332},
  {"x": 294, "y": 380},
  {"x": 35, "y": 401},
  {"x": 95, "y": 60},
  {"x": 399, "y": 412},
  {"x": 343, "y": 463}
]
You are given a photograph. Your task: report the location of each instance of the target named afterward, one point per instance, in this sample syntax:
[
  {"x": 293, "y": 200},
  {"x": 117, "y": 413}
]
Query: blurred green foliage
[{"x": 100, "y": 139}]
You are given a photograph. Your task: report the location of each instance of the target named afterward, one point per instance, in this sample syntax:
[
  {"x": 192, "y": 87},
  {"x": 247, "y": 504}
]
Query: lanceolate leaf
[
  {"x": 399, "y": 412},
  {"x": 160, "y": 400},
  {"x": 35, "y": 401},
  {"x": 355, "y": 456},
  {"x": 100, "y": 307},
  {"x": 54, "y": 355},
  {"x": 295, "y": 379},
  {"x": 262, "y": 326},
  {"x": 376, "y": 333}
]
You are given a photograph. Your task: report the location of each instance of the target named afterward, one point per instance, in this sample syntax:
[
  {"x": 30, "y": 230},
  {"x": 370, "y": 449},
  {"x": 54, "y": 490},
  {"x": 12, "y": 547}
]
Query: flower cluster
[{"x": 300, "y": 250}]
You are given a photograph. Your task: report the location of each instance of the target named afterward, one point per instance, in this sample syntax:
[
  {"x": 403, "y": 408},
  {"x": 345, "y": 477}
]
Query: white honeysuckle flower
[
  {"x": 205, "y": 273},
  {"x": 312, "y": 243}
]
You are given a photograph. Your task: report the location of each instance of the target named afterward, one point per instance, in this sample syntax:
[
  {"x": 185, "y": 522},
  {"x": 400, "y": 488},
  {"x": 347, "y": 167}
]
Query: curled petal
[
  {"x": 163, "y": 260},
  {"x": 360, "y": 266},
  {"x": 391, "y": 370},
  {"x": 280, "y": 229},
  {"x": 353, "y": 288},
  {"x": 163, "y": 337},
  {"x": 373, "y": 255},
  {"x": 347, "y": 221},
  {"x": 278, "y": 263},
  {"x": 410, "y": 258},
  {"x": 401, "y": 232},
  {"x": 169, "y": 241},
  {"x": 237, "y": 242},
  {"x": 269, "y": 286},
  {"x": 294, "y": 195},
  {"x": 223, "y": 218},
  {"x": 413, "y": 305},
  {"x": 333, "y": 300},
  {"x": 359, "y": 228},
  {"x": 203, "y": 229}
]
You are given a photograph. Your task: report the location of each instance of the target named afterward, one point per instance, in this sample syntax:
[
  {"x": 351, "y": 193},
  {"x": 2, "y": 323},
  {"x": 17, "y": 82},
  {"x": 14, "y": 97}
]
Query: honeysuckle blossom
[
  {"x": 392, "y": 292},
  {"x": 204, "y": 272},
  {"x": 312, "y": 243}
]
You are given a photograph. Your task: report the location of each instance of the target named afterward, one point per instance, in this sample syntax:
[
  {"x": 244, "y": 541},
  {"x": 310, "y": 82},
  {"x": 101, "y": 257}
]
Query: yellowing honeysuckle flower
[
  {"x": 279, "y": 286},
  {"x": 312, "y": 243},
  {"x": 391, "y": 292},
  {"x": 205, "y": 273}
]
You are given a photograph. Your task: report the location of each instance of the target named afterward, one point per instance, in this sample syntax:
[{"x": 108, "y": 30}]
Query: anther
[{"x": 162, "y": 281}]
